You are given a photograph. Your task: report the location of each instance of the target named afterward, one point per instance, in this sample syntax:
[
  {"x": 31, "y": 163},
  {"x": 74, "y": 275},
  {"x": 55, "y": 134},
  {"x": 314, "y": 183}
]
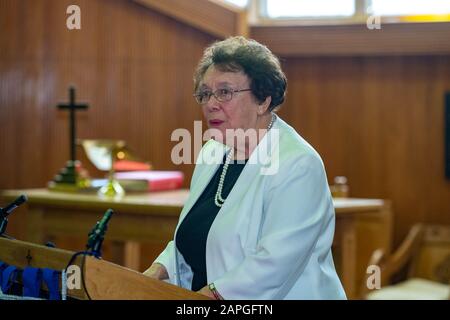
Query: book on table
[{"x": 150, "y": 180}]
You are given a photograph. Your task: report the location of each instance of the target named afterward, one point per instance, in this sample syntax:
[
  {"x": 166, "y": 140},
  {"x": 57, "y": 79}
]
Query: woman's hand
[
  {"x": 157, "y": 271},
  {"x": 207, "y": 292}
]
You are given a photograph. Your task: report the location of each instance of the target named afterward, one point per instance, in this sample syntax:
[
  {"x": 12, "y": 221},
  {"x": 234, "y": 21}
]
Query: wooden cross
[{"x": 73, "y": 107}]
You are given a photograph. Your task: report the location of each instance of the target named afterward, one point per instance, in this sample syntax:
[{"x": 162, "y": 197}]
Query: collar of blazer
[{"x": 262, "y": 157}]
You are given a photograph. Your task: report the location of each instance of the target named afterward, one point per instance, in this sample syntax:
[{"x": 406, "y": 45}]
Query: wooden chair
[{"x": 425, "y": 256}]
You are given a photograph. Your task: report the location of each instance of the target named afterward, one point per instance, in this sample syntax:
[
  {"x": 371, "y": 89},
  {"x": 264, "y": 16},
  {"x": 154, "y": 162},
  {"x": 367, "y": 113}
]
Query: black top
[{"x": 193, "y": 231}]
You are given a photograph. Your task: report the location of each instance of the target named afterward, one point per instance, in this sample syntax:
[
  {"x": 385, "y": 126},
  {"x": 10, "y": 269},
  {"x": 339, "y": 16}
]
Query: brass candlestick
[
  {"x": 113, "y": 189},
  {"x": 103, "y": 154}
]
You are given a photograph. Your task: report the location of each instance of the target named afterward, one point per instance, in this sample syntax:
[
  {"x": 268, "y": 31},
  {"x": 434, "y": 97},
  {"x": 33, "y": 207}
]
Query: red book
[
  {"x": 150, "y": 180},
  {"x": 127, "y": 165}
]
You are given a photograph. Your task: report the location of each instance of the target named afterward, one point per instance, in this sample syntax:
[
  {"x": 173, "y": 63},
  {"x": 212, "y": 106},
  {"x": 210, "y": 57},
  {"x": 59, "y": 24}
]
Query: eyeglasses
[{"x": 221, "y": 95}]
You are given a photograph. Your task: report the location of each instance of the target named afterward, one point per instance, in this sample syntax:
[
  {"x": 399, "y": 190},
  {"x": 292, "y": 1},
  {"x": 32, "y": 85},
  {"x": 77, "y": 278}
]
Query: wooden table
[{"x": 362, "y": 225}]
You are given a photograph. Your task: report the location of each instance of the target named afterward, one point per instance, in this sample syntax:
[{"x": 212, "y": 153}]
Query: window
[
  {"x": 343, "y": 11},
  {"x": 309, "y": 8},
  {"x": 239, "y": 3},
  {"x": 409, "y": 7}
]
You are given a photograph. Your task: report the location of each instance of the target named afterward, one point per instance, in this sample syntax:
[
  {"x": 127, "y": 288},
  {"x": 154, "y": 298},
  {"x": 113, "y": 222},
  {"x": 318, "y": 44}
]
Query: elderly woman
[{"x": 248, "y": 232}]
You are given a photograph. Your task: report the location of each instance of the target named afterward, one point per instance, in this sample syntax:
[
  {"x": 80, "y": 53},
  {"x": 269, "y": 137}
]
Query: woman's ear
[{"x": 264, "y": 106}]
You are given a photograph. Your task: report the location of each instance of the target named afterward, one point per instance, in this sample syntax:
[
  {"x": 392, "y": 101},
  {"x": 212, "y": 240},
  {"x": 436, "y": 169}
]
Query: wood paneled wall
[
  {"x": 377, "y": 120},
  {"x": 133, "y": 66},
  {"x": 380, "y": 122}
]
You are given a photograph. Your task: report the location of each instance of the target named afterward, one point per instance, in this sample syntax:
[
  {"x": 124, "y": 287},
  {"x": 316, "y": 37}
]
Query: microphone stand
[
  {"x": 3, "y": 223},
  {"x": 97, "y": 235},
  {"x": 95, "y": 238},
  {"x": 6, "y": 211}
]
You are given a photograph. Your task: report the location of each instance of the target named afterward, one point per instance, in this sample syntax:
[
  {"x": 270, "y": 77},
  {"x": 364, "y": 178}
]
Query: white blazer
[{"x": 272, "y": 237}]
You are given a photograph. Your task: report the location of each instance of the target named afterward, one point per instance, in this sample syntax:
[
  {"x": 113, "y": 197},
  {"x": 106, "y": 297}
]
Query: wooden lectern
[{"x": 103, "y": 280}]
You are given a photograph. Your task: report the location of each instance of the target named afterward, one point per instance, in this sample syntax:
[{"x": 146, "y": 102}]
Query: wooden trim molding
[
  {"x": 356, "y": 39},
  {"x": 212, "y": 17},
  {"x": 285, "y": 39}
]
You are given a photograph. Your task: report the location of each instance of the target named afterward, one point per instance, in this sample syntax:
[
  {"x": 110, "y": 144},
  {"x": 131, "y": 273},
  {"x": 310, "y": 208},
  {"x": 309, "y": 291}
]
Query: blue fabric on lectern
[
  {"x": 3, "y": 266},
  {"x": 9, "y": 276},
  {"x": 51, "y": 279},
  {"x": 32, "y": 281}
]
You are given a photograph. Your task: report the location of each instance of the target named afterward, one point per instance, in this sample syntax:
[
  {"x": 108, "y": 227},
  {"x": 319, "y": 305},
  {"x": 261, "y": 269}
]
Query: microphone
[
  {"x": 97, "y": 234},
  {"x": 6, "y": 211}
]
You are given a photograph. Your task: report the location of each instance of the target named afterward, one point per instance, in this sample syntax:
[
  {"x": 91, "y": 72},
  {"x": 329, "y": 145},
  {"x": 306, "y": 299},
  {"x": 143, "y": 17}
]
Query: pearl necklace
[{"x": 218, "y": 200}]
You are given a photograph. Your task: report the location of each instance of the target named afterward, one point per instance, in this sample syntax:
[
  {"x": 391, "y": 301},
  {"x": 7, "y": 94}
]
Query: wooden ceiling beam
[{"x": 215, "y": 18}]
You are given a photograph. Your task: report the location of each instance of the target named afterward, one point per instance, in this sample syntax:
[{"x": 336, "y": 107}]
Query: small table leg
[
  {"x": 349, "y": 258},
  {"x": 35, "y": 226},
  {"x": 132, "y": 255}
]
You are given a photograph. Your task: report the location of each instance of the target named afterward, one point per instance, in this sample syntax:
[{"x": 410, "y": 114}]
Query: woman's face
[{"x": 241, "y": 112}]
